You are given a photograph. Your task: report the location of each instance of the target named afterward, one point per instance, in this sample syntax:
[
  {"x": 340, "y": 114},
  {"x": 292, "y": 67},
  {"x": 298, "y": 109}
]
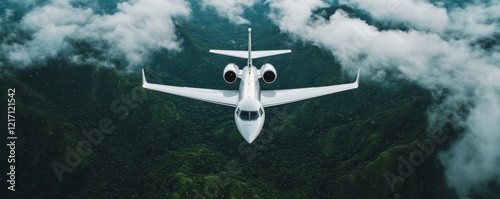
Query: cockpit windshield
[{"x": 249, "y": 115}]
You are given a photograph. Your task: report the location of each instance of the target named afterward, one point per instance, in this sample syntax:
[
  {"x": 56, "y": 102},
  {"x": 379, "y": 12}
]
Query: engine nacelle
[
  {"x": 268, "y": 73},
  {"x": 230, "y": 73}
]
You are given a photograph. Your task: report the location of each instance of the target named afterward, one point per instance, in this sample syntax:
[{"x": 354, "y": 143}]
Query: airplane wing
[
  {"x": 222, "y": 97},
  {"x": 279, "y": 97},
  {"x": 255, "y": 54}
]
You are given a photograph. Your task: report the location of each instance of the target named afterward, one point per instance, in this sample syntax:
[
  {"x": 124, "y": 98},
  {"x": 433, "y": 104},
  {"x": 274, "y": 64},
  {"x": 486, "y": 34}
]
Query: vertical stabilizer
[{"x": 249, "y": 48}]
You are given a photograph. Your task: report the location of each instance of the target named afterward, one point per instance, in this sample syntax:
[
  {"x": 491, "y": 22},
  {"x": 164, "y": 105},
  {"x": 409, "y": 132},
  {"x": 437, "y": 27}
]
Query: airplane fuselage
[
  {"x": 249, "y": 114},
  {"x": 249, "y": 85}
]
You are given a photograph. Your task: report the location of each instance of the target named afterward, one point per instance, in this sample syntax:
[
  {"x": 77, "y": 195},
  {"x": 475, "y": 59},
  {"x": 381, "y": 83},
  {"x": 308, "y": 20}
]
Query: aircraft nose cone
[{"x": 250, "y": 132}]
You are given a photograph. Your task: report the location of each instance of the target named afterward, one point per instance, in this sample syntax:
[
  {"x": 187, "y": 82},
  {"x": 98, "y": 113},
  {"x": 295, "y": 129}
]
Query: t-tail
[
  {"x": 249, "y": 55},
  {"x": 249, "y": 48}
]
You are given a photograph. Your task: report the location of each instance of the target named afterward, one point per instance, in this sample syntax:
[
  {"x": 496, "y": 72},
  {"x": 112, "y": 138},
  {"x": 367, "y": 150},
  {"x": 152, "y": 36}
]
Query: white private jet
[{"x": 249, "y": 100}]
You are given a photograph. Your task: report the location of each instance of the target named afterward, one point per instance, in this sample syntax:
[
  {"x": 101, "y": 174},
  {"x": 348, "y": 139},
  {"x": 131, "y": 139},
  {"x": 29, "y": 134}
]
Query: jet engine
[
  {"x": 268, "y": 73},
  {"x": 231, "y": 73}
]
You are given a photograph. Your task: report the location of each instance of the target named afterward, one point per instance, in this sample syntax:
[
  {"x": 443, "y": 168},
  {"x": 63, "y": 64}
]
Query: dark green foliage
[{"x": 163, "y": 146}]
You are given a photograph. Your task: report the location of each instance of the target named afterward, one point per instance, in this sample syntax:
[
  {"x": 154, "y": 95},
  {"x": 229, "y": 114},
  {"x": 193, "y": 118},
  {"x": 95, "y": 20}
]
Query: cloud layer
[
  {"x": 133, "y": 32},
  {"x": 230, "y": 9},
  {"x": 436, "y": 53},
  {"x": 418, "y": 14}
]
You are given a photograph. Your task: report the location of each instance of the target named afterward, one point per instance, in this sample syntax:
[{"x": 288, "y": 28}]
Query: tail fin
[{"x": 249, "y": 47}]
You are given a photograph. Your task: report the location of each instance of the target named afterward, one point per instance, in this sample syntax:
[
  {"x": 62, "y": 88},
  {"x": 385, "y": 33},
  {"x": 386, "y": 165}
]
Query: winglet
[
  {"x": 144, "y": 82},
  {"x": 357, "y": 79}
]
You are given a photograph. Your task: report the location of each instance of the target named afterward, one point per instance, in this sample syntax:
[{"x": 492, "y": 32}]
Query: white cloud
[
  {"x": 230, "y": 9},
  {"x": 419, "y": 14},
  {"x": 432, "y": 57},
  {"x": 50, "y": 25},
  {"x": 472, "y": 20},
  {"x": 473, "y": 161},
  {"x": 475, "y": 20},
  {"x": 133, "y": 32}
]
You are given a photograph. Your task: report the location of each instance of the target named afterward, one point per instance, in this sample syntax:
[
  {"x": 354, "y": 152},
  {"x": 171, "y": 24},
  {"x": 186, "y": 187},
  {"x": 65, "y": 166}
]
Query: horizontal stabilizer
[{"x": 255, "y": 54}]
